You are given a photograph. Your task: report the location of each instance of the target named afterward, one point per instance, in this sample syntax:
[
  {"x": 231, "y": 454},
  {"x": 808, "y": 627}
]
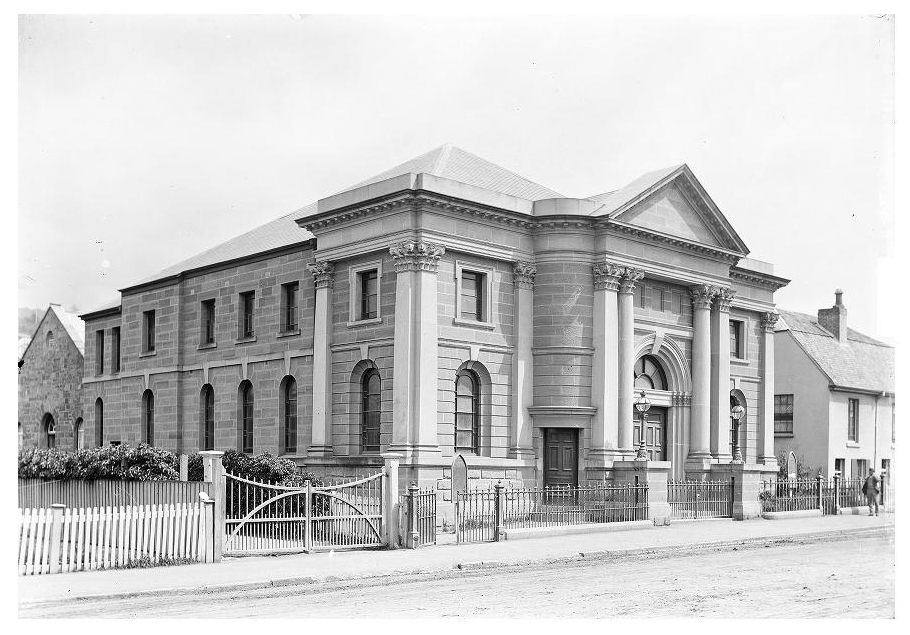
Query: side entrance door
[
  {"x": 655, "y": 437},
  {"x": 560, "y": 457}
]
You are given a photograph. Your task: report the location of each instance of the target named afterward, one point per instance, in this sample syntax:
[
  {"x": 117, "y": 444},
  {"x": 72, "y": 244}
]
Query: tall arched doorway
[{"x": 650, "y": 376}]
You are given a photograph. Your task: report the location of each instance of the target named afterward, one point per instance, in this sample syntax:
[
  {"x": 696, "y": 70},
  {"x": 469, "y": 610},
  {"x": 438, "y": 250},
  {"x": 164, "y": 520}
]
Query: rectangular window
[
  {"x": 148, "y": 331},
  {"x": 840, "y": 466},
  {"x": 736, "y": 339},
  {"x": 853, "y": 420},
  {"x": 369, "y": 294},
  {"x": 860, "y": 468},
  {"x": 639, "y": 294},
  {"x": 783, "y": 414},
  {"x": 208, "y": 322},
  {"x": 99, "y": 352},
  {"x": 657, "y": 299},
  {"x": 115, "y": 349},
  {"x": 472, "y": 295},
  {"x": 289, "y": 293},
  {"x": 247, "y": 301}
]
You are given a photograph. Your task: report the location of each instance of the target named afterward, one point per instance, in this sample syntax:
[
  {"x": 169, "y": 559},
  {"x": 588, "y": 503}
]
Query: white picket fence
[{"x": 62, "y": 539}]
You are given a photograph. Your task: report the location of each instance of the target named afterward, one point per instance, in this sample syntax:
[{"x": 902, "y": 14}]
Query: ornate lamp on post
[
  {"x": 737, "y": 413},
  {"x": 642, "y": 404}
]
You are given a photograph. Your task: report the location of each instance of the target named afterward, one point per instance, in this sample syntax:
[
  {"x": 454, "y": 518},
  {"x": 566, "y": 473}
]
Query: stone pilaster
[
  {"x": 605, "y": 371},
  {"x": 720, "y": 375},
  {"x": 521, "y": 444},
  {"x": 321, "y": 443},
  {"x": 700, "y": 425},
  {"x": 415, "y": 361},
  {"x": 765, "y": 450},
  {"x": 626, "y": 371}
]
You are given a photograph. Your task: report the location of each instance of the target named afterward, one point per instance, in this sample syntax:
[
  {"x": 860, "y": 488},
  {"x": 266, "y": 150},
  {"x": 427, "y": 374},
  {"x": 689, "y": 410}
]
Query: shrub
[{"x": 139, "y": 463}]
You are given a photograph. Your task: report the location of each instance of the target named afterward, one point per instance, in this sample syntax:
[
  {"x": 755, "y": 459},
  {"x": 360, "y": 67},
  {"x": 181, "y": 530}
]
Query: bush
[{"x": 140, "y": 463}]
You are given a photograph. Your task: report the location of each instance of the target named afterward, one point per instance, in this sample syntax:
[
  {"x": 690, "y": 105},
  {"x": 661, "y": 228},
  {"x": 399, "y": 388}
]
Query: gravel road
[{"x": 835, "y": 578}]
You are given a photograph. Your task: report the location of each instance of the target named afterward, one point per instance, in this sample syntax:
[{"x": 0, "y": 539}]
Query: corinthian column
[
  {"x": 720, "y": 375},
  {"x": 765, "y": 450},
  {"x": 321, "y": 431},
  {"x": 605, "y": 371},
  {"x": 700, "y": 425},
  {"x": 522, "y": 361},
  {"x": 415, "y": 363},
  {"x": 626, "y": 370}
]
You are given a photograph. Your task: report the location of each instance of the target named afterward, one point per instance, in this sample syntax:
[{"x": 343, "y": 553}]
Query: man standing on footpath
[{"x": 870, "y": 489}]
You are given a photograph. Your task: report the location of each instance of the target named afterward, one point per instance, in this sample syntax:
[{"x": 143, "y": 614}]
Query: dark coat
[{"x": 870, "y": 485}]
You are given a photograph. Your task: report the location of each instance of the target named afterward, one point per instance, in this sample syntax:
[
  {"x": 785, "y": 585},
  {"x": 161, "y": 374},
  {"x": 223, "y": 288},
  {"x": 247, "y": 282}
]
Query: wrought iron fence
[
  {"x": 850, "y": 493},
  {"x": 418, "y": 509},
  {"x": 700, "y": 499},
  {"x": 481, "y": 514},
  {"x": 787, "y": 495}
]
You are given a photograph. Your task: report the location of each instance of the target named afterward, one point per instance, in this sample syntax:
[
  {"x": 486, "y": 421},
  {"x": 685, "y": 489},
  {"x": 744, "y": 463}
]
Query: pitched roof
[
  {"x": 862, "y": 362},
  {"x": 612, "y": 201},
  {"x": 449, "y": 162},
  {"x": 72, "y": 324}
]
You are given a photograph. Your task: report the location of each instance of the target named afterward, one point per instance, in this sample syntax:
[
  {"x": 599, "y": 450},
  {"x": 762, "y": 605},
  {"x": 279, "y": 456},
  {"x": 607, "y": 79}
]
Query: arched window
[
  {"x": 50, "y": 431},
  {"x": 467, "y": 412},
  {"x": 78, "y": 435},
  {"x": 289, "y": 415},
  {"x": 246, "y": 417},
  {"x": 649, "y": 374},
  {"x": 208, "y": 417},
  {"x": 99, "y": 422},
  {"x": 370, "y": 409},
  {"x": 49, "y": 339},
  {"x": 148, "y": 417}
]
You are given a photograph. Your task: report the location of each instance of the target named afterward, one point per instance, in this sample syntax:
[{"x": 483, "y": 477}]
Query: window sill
[
  {"x": 852, "y": 444},
  {"x": 370, "y": 321},
  {"x": 203, "y": 347},
  {"x": 245, "y": 340},
  {"x": 473, "y": 324},
  {"x": 290, "y": 333},
  {"x": 788, "y": 435},
  {"x": 740, "y": 361},
  {"x": 148, "y": 353}
]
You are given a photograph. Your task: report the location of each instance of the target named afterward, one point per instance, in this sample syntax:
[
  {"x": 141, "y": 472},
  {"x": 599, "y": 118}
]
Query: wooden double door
[
  {"x": 560, "y": 458},
  {"x": 655, "y": 433}
]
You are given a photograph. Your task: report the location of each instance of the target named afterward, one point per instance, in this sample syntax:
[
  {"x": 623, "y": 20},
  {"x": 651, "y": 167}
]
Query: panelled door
[
  {"x": 655, "y": 433},
  {"x": 560, "y": 457}
]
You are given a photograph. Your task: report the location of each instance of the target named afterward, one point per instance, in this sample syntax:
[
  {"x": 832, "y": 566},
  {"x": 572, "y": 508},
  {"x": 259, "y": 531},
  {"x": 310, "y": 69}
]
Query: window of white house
[
  {"x": 853, "y": 420},
  {"x": 473, "y": 295},
  {"x": 783, "y": 414},
  {"x": 737, "y": 342},
  {"x": 364, "y": 298}
]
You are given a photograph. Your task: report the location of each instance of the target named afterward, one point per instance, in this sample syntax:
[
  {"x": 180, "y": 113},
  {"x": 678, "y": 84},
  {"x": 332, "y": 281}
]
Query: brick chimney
[{"x": 835, "y": 318}]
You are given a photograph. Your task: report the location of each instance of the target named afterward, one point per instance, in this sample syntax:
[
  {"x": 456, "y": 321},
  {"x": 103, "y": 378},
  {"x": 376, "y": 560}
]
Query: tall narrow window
[
  {"x": 371, "y": 407},
  {"x": 247, "y": 301},
  {"x": 99, "y": 422},
  {"x": 148, "y": 417},
  {"x": 246, "y": 417},
  {"x": 208, "y": 418},
  {"x": 736, "y": 339},
  {"x": 369, "y": 294},
  {"x": 148, "y": 331},
  {"x": 115, "y": 349},
  {"x": 78, "y": 435},
  {"x": 290, "y": 415},
  {"x": 99, "y": 352},
  {"x": 289, "y": 300},
  {"x": 472, "y": 295},
  {"x": 783, "y": 414},
  {"x": 467, "y": 412},
  {"x": 853, "y": 420},
  {"x": 50, "y": 432},
  {"x": 208, "y": 322}
]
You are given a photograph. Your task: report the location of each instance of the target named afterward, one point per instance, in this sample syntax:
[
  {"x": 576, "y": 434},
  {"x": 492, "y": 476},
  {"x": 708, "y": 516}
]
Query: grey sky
[{"x": 145, "y": 140}]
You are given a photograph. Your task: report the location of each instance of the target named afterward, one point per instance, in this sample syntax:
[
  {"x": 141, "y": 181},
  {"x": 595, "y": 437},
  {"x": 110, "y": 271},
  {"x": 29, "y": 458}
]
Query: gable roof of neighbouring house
[
  {"x": 72, "y": 325},
  {"x": 862, "y": 362}
]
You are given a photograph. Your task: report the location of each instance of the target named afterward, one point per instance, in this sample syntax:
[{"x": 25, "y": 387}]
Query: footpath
[{"x": 265, "y": 571}]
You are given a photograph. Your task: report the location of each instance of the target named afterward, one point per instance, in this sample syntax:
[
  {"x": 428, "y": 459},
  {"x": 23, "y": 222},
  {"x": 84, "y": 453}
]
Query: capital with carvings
[
  {"x": 702, "y": 294},
  {"x": 523, "y": 273},
  {"x": 416, "y": 255},
  {"x": 768, "y": 320},
  {"x": 724, "y": 299},
  {"x": 630, "y": 276},
  {"x": 607, "y": 276},
  {"x": 323, "y": 273},
  {"x": 681, "y": 399}
]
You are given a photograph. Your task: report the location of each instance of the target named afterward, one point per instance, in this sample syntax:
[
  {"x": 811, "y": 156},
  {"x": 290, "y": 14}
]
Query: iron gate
[
  {"x": 264, "y": 518},
  {"x": 700, "y": 499}
]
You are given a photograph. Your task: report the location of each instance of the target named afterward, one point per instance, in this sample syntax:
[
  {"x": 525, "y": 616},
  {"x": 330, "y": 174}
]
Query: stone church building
[{"x": 450, "y": 307}]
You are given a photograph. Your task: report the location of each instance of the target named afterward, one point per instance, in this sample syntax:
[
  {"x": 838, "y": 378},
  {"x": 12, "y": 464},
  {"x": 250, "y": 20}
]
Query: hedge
[{"x": 147, "y": 463}]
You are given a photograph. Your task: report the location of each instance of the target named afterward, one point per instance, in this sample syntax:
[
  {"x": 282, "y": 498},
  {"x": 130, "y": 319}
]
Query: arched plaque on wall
[
  {"x": 791, "y": 465},
  {"x": 459, "y": 475}
]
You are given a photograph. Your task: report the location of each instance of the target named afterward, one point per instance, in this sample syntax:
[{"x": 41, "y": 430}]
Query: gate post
[
  {"x": 836, "y": 493},
  {"x": 308, "y": 518},
  {"x": 413, "y": 534},
  {"x": 213, "y": 472},
  {"x": 56, "y": 527},
  {"x": 497, "y": 511},
  {"x": 818, "y": 482},
  {"x": 390, "y": 507}
]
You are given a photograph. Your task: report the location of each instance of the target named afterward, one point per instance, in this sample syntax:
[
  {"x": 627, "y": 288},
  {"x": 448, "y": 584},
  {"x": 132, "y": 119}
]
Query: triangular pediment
[
  {"x": 676, "y": 204},
  {"x": 667, "y": 211}
]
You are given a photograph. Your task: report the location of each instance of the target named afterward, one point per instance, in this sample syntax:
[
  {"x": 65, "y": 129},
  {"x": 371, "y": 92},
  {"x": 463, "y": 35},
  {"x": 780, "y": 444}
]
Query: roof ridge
[{"x": 443, "y": 158}]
